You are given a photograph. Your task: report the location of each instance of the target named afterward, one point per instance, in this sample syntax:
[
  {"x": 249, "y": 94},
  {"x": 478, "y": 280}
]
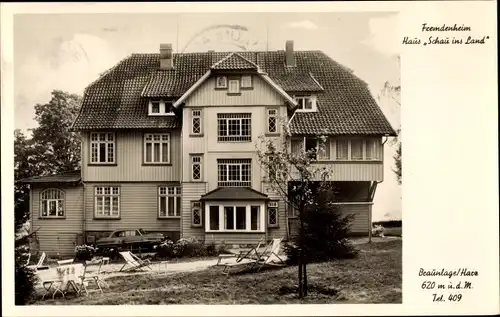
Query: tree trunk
[
  {"x": 301, "y": 294},
  {"x": 305, "y": 279}
]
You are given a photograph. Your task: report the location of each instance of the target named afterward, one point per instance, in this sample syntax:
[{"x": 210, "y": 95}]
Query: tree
[
  {"x": 53, "y": 148},
  {"x": 302, "y": 185}
]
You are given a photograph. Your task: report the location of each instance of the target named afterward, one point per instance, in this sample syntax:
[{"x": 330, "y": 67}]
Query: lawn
[{"x": 375, "y": 276}]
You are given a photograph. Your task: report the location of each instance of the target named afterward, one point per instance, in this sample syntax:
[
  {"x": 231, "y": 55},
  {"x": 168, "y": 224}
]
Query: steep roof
[
  {"x": 119, "y": 98},
  {"x": 234, "y": 193},
  {"x": 69, "y": 177}
]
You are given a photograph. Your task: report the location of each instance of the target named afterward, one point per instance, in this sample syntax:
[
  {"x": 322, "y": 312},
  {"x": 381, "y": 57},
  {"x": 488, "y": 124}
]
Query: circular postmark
[{"x": 222, "y": 37}]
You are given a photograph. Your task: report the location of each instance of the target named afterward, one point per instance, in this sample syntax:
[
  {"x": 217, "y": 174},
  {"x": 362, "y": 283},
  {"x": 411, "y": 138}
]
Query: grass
[{"x": 375, "y": 276}]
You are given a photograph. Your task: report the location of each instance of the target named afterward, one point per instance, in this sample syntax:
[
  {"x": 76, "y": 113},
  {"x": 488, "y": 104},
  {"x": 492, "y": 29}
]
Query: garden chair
[
  {"x": 247, "y": 259},
  {"x": 134, "y": 262},
  {"x": 95, "y": 276},
  {"x": 39, "y": 265},
  {"x": 253, "y": 253},
  {"x": 271, "y": 255}
]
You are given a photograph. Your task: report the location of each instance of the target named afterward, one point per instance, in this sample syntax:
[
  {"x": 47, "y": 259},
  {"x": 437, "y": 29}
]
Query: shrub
[
  {"x": 84, "y": 252},
  {"x": 24, "y": 277},
  {"x": 325, "y": 232},
  {"x": 187, "y": 247},
  {"x": 378, "y": 231},
  {"x": 164, "y": 249}
]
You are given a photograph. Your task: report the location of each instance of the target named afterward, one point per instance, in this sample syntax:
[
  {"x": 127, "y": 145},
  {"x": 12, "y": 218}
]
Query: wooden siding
[
  {"x": 129, "y": 161},
  {"x": 361, "y": 222},
  {"x": 231, "y": 238},
  {"x": 353, "y": 171},
  {"x": 192, "y": 192},
  {"x": 261, "y": 94},
  {"x": 58, "y": 236},
  {"x": 138, "y": 209}
]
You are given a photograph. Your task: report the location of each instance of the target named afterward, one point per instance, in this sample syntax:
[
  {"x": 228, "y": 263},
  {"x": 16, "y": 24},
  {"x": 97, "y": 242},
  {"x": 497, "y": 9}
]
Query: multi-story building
[{"x": 168, "y": 145}]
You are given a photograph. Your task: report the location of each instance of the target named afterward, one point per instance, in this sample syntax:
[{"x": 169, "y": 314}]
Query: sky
[{"x": 69, "y": 51}]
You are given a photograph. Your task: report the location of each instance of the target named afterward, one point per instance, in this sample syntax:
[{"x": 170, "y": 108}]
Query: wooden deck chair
[
  {"x": 253, "y": 253},
  {"x": 39, "y": 265},
  {"x": 271, "y": 255},
  {"x": 134, "y": 262},
  {"x": 92, "y": 276}
]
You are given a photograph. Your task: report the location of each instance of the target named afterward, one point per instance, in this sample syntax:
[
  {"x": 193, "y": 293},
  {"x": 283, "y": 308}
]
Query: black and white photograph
[{"x": 218, "y": 158}]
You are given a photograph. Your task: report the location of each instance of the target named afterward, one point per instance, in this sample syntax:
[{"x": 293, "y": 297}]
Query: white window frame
[
  {"x": 196, "y": 114},
  {"x": 197, "y": 159},
  {"x": 163, "y": 108},
  {"x": 224, "y": 119},
  {"x": 301, "y": 103},
  {"x": 272, "y": 113},
  {"x": 109, "y": 141},
  {"x": 222, "y": 222},
  {"x": 217, "y": 83},
  {"x": 170, "y": 192},
  {"x": 273, "y": 205},
  {"x": 249, "y": 81},
  {"x": 196, "y": 206},
  {"x": 164, "y": 138},
  {"x": 365, "y": 143},
  {"x": 362, "y": 143},
  {"x": 49, "y": 196},
  {"x": 326, "y": 156},
  {"x": 224, "y": 181},
  {"x": 100, "y": 194},
  {"x": 237, "y": 87}
]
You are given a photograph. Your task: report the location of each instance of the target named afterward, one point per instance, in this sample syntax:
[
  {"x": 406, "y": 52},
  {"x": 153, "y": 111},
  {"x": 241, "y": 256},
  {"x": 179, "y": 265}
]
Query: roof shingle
[
  {"x": 69, "y": 177},
  {"x": 118, "y": 100}
]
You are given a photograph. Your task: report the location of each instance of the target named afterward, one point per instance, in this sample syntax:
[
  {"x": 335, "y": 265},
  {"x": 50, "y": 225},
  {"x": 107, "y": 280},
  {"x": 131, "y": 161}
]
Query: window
[
  {"x": 235, "y": 218},
  {"x": 160, "y": 108},
  {"x": 234, "y": 86},
  {"x": 297, "y": 146},
  {"x": 356, "y": 149},
  {"x": 157, "y": 148},
  {"x": 169, "y": 201},
  {"x": 342, "y": 151},
  {"x": 306, "y": 103},
  {"x": 272, "y": 214},
  {"x": 221, "y": 82},
  {"x": 371, "y": 150},
  {"x": 234, "y": 173},
  {"x": 52, "y": 203},
  {"x": 246, "y": 81},
  {"x": 196, "y": 170},
  {"x": 235, "y": 127},
  {"x": 107, "y": 202},
  {"x": 102, "y": 147},
  {"x": 196, "y": 122},
  {"x": 155, "y": 107},
  {"x": 196, "y": 213},
  {"x": 272, "y": 120},
  {"x": 311, "y": 146}
]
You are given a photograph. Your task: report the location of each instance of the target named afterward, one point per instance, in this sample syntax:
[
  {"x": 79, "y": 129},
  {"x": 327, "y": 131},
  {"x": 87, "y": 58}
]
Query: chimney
[
  {"x": 166, "y": 56},
  {"x": 289, "y": 58}
]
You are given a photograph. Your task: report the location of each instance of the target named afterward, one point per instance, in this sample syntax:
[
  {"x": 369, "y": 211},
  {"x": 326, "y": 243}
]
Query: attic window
[
  {"x": 221, "y": 82},
  {"x": 306, "y": 103},
  {"x": 160, "y": 108}
]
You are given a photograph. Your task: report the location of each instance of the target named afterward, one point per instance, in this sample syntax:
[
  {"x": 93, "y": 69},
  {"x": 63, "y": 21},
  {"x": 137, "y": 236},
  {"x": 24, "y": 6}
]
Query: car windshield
[{"x": 141, "y": 231}]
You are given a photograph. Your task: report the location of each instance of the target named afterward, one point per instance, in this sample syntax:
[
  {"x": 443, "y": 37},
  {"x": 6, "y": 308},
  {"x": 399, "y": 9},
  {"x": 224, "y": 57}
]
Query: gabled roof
[
  {"x": 234, "y": 61},
  {"x": 69, "y": 177},
  {"x": 234, "y": 193},
  {"x": 118, "y": 99}
]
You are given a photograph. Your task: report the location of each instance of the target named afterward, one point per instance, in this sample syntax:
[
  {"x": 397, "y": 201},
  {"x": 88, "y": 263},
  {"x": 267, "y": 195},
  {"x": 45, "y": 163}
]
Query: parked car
[{"x": 130, "y": 239}]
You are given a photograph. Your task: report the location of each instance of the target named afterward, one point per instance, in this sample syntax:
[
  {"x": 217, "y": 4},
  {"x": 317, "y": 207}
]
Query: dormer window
[
  {"x": 306, "y": 103},
  {"x": 221, "y": 82},
  {"x": 160, "y": 108}
]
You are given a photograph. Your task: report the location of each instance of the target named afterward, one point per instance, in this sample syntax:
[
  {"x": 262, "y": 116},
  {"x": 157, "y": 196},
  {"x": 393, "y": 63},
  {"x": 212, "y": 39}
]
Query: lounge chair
[
  {"x": 65, "y": 262},
  {"x": 134, "y": 262},
  {"x": 92, "y": 276},
  {"x": 39, "y": 265},
  {"x": 269, "y": 256},
  {"x": 253, "y": 253}
]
